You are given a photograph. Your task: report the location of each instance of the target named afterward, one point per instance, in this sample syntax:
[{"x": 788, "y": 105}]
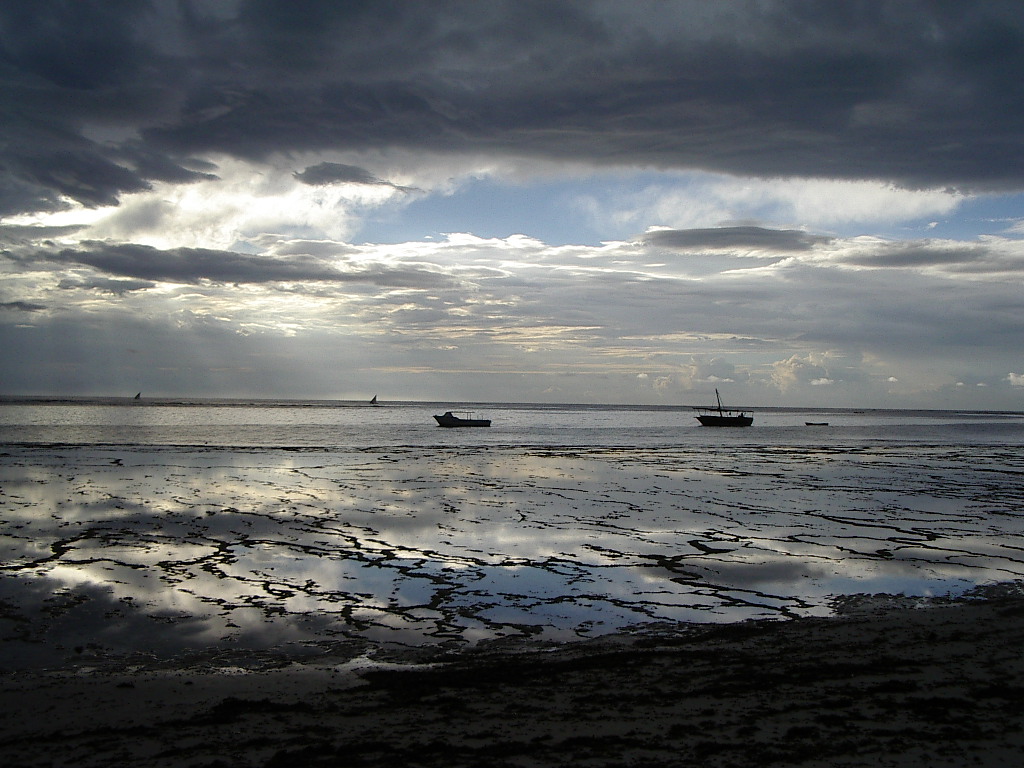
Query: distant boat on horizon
[
  {"x": 373, "y": 400},
  {"x": 716, "y": 417},
  {"x": 138, "y": 396}
]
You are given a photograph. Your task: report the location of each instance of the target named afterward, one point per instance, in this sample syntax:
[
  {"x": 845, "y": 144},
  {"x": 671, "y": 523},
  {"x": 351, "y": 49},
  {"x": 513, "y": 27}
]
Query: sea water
[
  {"x": 154, "y": 528},
  {"x": 330, "y": 425}
]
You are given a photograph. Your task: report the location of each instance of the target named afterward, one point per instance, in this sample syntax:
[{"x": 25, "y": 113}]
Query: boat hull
[
  {"x": 718, "y": 417},
  {"x": 708, "y": 420},
  {"x": 449, "y": 420}
]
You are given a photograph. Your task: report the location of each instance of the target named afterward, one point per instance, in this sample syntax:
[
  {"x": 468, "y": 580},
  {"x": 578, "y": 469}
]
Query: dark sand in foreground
[{"x": 882, "y": 685}]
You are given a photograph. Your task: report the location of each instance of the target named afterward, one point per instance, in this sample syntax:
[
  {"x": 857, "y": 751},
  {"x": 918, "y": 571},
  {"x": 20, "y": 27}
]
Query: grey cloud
[
  {"x": 307, "y": 247},
  {"x": 107, "y": 285},
  {"x": 21, "y": 306},
  {"x": 338, "y": 173},
  {"x": 335, "y": 173},
  {"x": 925, "y": 315},
  {"x": 964, "y": 258},
  {"x": 18, "y": 195},
  {"x": 915, "y": 255},
  {"x": 900, "y": 255},
  {"x": 919, "y": 93},
  {"x": 191, "y": 265},
  {"x": 13, "y": 234},
  {"x": 728, "y": 238},
  {"x": 156, "y": 166},
  {"x": 76, "y": 46},
  {"x": 84, "y": 175}
]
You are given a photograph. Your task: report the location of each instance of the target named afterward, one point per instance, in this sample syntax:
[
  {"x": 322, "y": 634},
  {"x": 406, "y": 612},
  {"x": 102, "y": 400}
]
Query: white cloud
[
  {"x": 704, "y": 370},
  {"x": 797, "y": 370},
  {"x": 797, "y": 329},
  {"x": 1015, "y": 379},
  {"x": 247, "y": 201},
  {"x": 694, "y": 200},
  {"x": 824, "y": 203}
]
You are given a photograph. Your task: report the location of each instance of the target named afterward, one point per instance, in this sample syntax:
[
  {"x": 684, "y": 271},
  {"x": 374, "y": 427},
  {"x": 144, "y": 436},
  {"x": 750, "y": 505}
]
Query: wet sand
[{"x": 883, "y": 683}]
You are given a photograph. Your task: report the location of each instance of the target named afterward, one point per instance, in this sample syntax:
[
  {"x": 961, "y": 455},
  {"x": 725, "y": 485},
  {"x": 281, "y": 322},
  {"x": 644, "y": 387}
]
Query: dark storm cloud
[
  {"x": 159, "y": 167},
  {"x": 83, "y": 175},
  {"x": 103, "y": 98},
  {"x": 728, "y": 238},
  {"x": 67, "y": 67},
  {"x": 191, "y": 265}
]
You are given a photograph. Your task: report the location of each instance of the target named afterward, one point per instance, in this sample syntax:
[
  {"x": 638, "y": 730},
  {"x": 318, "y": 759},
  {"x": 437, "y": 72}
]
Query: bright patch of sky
[{"x": 619, "y": 205}]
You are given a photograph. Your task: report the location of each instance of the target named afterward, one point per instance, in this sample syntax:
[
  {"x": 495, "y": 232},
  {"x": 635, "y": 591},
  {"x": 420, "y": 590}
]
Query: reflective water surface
[{"x": 218, "y": 537}]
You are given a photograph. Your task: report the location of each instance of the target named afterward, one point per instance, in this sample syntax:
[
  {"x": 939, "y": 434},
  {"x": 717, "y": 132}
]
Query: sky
[{"x": 797, "y": 203}]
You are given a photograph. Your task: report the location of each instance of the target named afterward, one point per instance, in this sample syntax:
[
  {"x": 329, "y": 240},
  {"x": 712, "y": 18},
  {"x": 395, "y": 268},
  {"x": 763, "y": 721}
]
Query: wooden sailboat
[{"x": 717, "y": 417}]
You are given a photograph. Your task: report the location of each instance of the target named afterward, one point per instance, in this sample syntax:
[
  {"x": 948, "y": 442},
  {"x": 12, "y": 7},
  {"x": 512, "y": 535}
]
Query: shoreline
[{"x": 881, "y": 683}]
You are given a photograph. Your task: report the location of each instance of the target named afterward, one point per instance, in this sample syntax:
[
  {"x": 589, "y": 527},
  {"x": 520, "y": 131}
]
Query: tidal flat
[
  {"x": 534, "y": 604},
  {"x": 111, "y": 553}
]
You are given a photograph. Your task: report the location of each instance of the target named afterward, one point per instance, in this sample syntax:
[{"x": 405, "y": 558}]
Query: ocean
[{"x": 154, "y": 530}]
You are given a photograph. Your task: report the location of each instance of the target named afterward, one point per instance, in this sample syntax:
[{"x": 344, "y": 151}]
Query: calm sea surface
[
  {"x": 330, "y": 425},
  {"x": 155, "y": 528}
]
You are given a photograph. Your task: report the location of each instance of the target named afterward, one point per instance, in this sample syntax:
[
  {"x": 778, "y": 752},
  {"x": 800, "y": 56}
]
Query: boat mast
[{"x": 719, "y": 398}]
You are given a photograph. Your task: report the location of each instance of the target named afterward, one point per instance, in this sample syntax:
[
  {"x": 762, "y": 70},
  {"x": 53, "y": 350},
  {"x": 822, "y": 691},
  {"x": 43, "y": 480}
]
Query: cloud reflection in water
[{"x": 163, "y": 551}]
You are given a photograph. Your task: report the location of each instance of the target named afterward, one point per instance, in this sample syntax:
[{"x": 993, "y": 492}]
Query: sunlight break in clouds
[{"x": 245, "y": 202}]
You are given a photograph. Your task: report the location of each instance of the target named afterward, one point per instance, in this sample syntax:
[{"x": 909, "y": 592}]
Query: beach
[
  {"x": 891, "y": 684},
  {"x": 209, "y": 584}
]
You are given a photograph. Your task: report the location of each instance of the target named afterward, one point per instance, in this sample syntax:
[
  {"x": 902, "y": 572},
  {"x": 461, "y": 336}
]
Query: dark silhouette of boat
[
  {"x": 816, "y": 423},
  {"x": 449, "y": 419},
  {"x": 373, "y": 400},
  {"x": 716, "y": 417}
]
